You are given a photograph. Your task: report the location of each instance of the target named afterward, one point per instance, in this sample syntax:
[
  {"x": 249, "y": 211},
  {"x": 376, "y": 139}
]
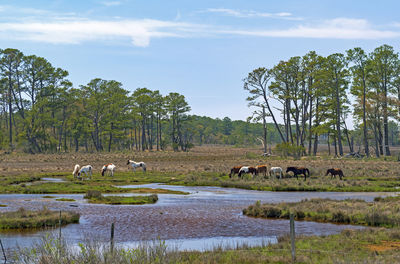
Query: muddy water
[{"x": 207, "y": 217}]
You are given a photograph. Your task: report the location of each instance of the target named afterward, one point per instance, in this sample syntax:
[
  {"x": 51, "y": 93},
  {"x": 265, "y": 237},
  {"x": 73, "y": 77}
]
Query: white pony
[
  {"x": 275, "y": 170},
  {"x": 76, "y": 171},
  {"x": 108, "y": 167},
  {"x": 136, "y": 165},
  {"x": 86, "y": 169}
]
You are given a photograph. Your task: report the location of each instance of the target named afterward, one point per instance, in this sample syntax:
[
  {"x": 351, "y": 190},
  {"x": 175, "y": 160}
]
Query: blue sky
[{"x": 201, "y": 49}]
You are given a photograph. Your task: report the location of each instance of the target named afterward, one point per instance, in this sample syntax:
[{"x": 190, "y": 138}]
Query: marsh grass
[
  {"x": 24, "y": 219},
  {"x": 382, "y": 212},
  {"x": 65, "y": 200},
  {"x": 371, "y": 245},
  {"x": 97, "y": 198}
]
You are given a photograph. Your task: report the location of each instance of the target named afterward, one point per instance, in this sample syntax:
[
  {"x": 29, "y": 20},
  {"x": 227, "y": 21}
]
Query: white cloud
[
  {"x": 251, "y": 13},
  {"x": 111, "y": 3},
  {"x": 338, "y": 28},
  {"x": 140, "y": 32}
]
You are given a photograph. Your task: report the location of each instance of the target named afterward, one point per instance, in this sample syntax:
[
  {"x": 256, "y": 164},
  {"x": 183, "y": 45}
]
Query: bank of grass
[
  {"x": 371, "y": 245},
  {"x": 65, "y": 200},
  {"x": 384, "y": 212},
  {"x": 26, "y": 219},
  {"x": 97, "y": 198}
]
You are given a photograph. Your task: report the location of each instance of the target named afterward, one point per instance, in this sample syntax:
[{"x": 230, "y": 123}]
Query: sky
[{"x": 201, "y": 49}]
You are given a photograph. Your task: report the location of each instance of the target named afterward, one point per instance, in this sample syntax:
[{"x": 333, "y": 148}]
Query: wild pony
[
  {"x": 334, "y": 172},
  {"x": 244, "y": 170},
  {"x": 108, "y": 167},
  {"x": 234, "y": 170},
  {"x": 298, "y": 171},
  {"x": 274, "y": 171},
  {"x": 76, "y": 171},
  {"x": 86, "y": 169},
  {"x": 261, "y": 169},
  {"x": 135, "y": 165}
]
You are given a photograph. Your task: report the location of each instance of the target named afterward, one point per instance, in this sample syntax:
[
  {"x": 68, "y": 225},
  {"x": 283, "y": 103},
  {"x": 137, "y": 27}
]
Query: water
[{"x": 207, "y": 217}]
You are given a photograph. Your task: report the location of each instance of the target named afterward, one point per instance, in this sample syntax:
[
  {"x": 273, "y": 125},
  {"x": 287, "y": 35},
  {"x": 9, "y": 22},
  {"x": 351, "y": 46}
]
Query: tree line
[
  {"x": 310, "y": 93},
  {"x": 41, "y": 111}
]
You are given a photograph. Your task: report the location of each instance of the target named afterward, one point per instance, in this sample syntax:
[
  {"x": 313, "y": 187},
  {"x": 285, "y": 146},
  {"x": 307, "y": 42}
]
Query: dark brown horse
[
  {"x": 298, "y": 171},
  {"x": 261, "y": 169},
  {"x": 234, "y": 170},
  {"x": 334, "y": 172}
]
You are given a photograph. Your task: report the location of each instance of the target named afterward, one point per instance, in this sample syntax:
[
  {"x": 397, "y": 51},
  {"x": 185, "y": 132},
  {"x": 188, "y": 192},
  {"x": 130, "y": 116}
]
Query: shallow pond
[{"x": 207, "y": 217}]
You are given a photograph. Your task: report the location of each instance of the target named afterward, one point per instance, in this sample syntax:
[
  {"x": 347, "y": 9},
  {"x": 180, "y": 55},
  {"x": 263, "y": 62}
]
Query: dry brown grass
[{"x": 201, "y": 158}]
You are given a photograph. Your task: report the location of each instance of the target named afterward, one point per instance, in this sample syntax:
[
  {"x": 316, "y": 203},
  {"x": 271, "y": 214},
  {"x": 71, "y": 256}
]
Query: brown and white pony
[
  {"x": 298, "y": 171},
  {"x": 135, "y": 165},
  {"x": 108, "y": 167},
  {"x": 245, "y": 169},
  {"x": 234, "y": 170},
  {"x": 334, "y": 172}
]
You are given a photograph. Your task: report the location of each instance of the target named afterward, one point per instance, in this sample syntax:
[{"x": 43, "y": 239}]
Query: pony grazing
[
  {"x": 334, "y": 172},
  {"x": 76, "y": 171},
  {"x": 262, "y": 169},
  {"x": 298, "y": 171},
  {"x": 108, "y": 167},
  {"x": 235, "y": 170},
  {"x": 274, "y": 171},
  {"x": 244, "y": 170},
  {"x": 87, "y": 170},
  {"x": 135, "y": 165}
]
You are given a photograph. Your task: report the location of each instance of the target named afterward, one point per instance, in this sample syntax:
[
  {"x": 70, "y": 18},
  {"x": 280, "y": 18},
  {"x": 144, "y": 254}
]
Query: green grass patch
[
  {"x": 3, "y": 205},
  {"x": 383, "y": 212},
  {"x": 65, "y": 200},
  {"x": 48, "y": 196},
  {"x": 97, "y": 198},
  {"x": 24, "y": 219}
]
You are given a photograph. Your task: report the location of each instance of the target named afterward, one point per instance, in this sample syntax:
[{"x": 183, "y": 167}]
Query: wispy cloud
[
  {"x": 111, "y": 3},
  {"x": 140, "y": 32},
  {"x": 251, "y": 13},
  {"x": 338, "y": 28}
]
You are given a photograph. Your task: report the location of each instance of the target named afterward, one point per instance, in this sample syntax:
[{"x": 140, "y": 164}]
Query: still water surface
[{"x": 207, "y": 217}]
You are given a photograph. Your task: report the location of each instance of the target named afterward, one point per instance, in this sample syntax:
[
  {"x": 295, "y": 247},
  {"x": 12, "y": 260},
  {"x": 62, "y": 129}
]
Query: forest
[
  {"x": 43, "y": 112},
  {"x": 311, "y": 93}
]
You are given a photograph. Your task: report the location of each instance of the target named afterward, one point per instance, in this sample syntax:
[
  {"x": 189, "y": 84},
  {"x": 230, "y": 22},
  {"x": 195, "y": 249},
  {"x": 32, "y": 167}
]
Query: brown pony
[
  {"x": 298, "y": 171},
  {"x": 234, "y": 170},
  {"x": 334, "y": 172},
  {"x": 261, "y": 169}
]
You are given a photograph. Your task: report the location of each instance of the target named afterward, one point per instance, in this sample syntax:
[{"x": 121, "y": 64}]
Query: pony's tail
[
  {"x": 103, "y": 170},
  {"x": 308, "y": 172}
]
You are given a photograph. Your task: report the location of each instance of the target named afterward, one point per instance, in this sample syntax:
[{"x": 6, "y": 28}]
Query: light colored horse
[
  {"x": 76, "y": 171},
  {"x": 87, "y": 170},
  {"x": 108, "y": 167},
  {"x": 137, "y": 165},
  {"x": 275, "y": 170}
]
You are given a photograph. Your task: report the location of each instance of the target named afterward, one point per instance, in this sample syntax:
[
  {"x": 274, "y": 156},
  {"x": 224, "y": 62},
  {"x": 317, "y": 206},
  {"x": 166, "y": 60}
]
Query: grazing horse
[
  {"x": 76, "y": 171},
  {"x": 136, "y": 165},
  {"x": 235, "y": 170},
  {"x": 275, "y": 170},
  {"x": 86, "y": 169},
  {"x": 334, "y": 172},
  {"x": 298, "y": 170},
  {"x": 108, "y": 167},
  {"x": 261, "y": 169},
  {"x": 251, "y": 170}
]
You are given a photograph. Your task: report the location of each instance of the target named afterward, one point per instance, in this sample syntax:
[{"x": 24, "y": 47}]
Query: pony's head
[{"x": 103, "y": 170}]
